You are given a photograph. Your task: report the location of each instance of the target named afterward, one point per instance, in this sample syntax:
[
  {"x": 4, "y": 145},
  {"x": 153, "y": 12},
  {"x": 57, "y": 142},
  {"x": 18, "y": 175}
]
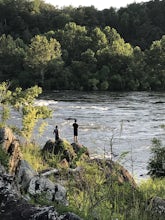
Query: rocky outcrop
[
  {"x": 26, "y": 178},
  {"x": 15, "y": 207},
  {"x": 30, "y": 181},
  {"x": 24, "y": 174},
  {"x": 80, "y": 148},
  {"x": 67, "y": 151}
]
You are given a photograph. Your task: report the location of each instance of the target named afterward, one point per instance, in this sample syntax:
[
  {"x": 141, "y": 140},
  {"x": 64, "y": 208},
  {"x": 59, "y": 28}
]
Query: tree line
[{"x": 83, "y": 48}]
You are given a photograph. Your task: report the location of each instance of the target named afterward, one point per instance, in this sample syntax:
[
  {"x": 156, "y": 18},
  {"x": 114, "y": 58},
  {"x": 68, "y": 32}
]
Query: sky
[{"x": 99, "y": 4}]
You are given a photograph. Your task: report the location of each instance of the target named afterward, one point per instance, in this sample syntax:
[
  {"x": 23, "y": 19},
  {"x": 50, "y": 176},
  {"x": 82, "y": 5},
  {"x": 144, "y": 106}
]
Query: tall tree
[
  {"x": 74, "y": 40},
  {"x": 40, "y": 52},
  {"x": 12, "y": 53}
]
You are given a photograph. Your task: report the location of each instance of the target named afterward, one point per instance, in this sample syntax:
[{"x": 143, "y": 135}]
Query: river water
[{"x": 126, "y": 121}]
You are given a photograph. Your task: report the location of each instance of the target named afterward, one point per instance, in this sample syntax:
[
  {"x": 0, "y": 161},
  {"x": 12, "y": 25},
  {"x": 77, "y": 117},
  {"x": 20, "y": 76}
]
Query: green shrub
[
  {"x": 156, "y": 165},
  {"x": 153, "y": 187}
]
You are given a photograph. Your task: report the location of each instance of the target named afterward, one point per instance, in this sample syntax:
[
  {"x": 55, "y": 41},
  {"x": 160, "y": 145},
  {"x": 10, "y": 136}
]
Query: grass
[
  {"x": 153, "y": 187},
  {"x": 32, "y": 154}
]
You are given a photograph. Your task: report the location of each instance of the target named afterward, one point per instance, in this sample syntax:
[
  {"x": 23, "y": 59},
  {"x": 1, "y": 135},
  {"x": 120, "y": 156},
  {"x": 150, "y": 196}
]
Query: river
[{"x": 128, "y": 120}]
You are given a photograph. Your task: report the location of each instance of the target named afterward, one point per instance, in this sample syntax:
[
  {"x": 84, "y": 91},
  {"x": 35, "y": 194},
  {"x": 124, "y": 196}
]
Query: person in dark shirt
[
  {"x": 75, "y": 131},
  {"x": 56, "y": 132}
]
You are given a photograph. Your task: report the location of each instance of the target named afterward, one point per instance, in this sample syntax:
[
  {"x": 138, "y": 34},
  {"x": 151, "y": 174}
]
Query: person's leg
[{"x": 75, "y": 139}]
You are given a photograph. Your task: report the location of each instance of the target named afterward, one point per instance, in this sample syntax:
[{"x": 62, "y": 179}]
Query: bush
[{"x": 156, "y": 165}]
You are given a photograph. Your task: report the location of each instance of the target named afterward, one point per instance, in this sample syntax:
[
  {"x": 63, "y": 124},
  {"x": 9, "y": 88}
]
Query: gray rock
[
  {"x": 52, "y": 192},
  {"x": 6, "y": 138},
  {"x": 71, "y": 216},
  {"x": 157, "y": 206},
  {"x": 24, "y": 174}
]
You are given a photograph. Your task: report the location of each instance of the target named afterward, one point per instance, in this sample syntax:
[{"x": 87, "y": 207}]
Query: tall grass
[
  {"x": 153, "y": 187},
  {"x": 32, "y": 153}
]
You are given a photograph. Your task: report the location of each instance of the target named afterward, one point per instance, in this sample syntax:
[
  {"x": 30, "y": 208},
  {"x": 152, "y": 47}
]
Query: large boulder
[
  {"x": 30, "y": 181},
  {"x": 69, "y": 152},
  {"x": 49, "y": 190},
  {"x": 156, "y": 206},
  {"x": 24, "y": 174},
  {"x": 10, "y": 144},
  {"x": 62, "y": 148},
  {"x": 6, "y": 138}
]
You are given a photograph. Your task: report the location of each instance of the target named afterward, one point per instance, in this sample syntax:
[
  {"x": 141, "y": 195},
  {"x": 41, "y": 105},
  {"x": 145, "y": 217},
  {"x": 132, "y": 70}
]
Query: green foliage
[
  {"x": 153, "y": 187},
  {"x": 24, "y": 102},
  {"x": 52, "y": 160},
  {"x": 4, "y": 158},
  {"x": 156, "y": 165},
  {"x": 40, "y": 52},
  {"x": 32, "y": 154},
  {"x": 5, "y": 96},
  {"x": 31, "y": 114}
]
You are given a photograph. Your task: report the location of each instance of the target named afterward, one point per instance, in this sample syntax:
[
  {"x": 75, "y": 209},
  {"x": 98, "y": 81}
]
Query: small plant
[
  {"x": 156, "y": 165},
  {"x": 4, "y": 158},
  {"x": 153, "y": 187}
]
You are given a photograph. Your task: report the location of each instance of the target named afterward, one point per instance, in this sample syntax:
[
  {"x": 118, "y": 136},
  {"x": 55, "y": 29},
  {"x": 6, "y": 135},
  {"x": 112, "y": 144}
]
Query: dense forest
[{"x": 83, "y": 48}]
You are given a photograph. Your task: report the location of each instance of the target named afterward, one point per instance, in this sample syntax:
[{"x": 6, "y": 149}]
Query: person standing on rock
[
  {"x": 75, "y": 131},
  {"x": 56, "y": 132}
]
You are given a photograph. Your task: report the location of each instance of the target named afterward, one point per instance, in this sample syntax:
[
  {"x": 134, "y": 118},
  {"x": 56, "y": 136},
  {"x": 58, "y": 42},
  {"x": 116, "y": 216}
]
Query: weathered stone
[
  {"x": 157, "y": 206},
  {"x": 71, "y": 216},
  {"x": 64, "y": 164},
  {"x": 78, "y": 148},
  {"x": 16, "y": 156},
  {"x": 49, "y": 190},
  {"x": 24, "y": 174},
  {"x": 33, "y": 183},
  {"x": 6, "y": 138},
  {"x": 11, "y": 145},
  {"x": 53, "y": 147}
]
